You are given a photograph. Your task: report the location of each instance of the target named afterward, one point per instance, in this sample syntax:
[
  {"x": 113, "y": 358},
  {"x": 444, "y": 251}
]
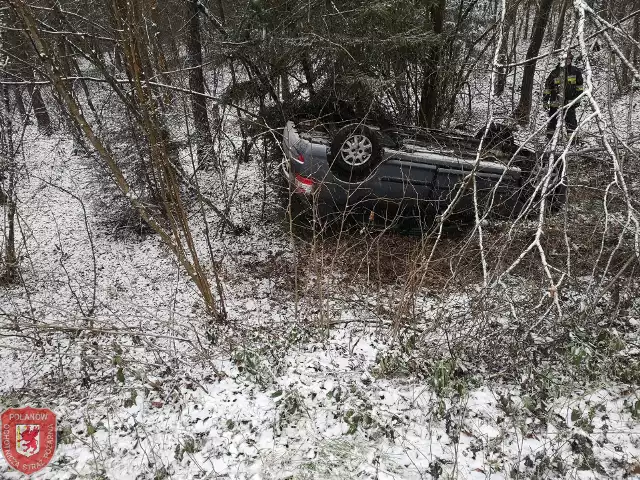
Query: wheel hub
[{"x": 356, "y": 150}]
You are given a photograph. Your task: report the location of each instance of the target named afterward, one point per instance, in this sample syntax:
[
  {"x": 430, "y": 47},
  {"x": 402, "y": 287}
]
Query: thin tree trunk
[
  {"x": 10, "y": 259},
  {"x": 501, "y": 81},
  {"x": 221, "y": 12},
  {"x": 627, "y": 48},
  {"x": 285, "y": 87},
  {"x": 525, "y": 32},
  {"x": 40, "y": 110},
  {"x": 307, "y": 68},
  {"x": 12, "y": 43},
  {"x": 430, "y": 84},
  {"x": 509, "y": 26},
  {"x": 514, "y": 54},
  {"x": 557, "y": 41},
  {"x": 549, "y": 32},
  {"x": 17, "y": 92},
  {"x": 636, "y": 37},
  {"x": 523, "y": 111},
  {"x": 157, "y": 52},
  {"x": 196, "y": 83},
  {"x": 37, "y": 103}
]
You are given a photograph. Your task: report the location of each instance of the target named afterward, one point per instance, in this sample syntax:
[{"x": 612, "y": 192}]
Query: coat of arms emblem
[{"x": 28, "y": 438}]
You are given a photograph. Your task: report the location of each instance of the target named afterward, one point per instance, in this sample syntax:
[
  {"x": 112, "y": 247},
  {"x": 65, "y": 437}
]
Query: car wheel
[{"x": 355, "y": 151}]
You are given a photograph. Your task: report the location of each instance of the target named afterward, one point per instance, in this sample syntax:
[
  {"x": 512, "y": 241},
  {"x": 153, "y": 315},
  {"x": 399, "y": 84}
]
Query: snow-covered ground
[{"x": 287, "y": 390}]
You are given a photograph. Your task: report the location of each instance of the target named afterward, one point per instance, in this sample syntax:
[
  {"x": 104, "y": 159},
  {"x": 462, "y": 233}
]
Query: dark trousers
[{"x": 570, "y": 120}]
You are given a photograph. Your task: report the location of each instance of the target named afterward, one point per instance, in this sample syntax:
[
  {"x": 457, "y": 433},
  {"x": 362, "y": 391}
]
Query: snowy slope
[{"x": 280, "y": 395}]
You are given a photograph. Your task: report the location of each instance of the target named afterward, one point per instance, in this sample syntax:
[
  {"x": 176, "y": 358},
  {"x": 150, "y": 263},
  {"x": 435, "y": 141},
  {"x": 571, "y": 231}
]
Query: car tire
[{"x": 355, "y": 152}]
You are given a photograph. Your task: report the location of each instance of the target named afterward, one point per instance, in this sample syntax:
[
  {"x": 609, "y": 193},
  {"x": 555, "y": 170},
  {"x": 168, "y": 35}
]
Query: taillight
[
  {"x": 300, "y": 158},
  {"x": 303, "y": 185}
]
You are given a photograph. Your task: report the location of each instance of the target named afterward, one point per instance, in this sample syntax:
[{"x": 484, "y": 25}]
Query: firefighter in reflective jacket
[{"x": 555, "y": 96}]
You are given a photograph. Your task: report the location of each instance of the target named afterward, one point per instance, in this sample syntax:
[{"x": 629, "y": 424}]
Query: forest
[{"x": 175, "y": 298}]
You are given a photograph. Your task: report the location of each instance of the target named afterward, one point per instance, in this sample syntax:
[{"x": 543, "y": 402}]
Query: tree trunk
[
  {"x": 157, "y": 49},
  {"x": 40, "y": 110},
  {"x": 557, "y": 41},
  {"x": 548, "y": 33},
  {"x": 307, "y": 68},
  {"x": 17, "y": 92},
  {"x": 527, "y": 18},
  {"x": 429, "y": 93},
  {"x": 501, "y": 80},
  {"x": 10, "y": 259},
  {"x": 627, "y": 49},
  {"x": 509, "y": 25},
  {"x": 221, "y": 12},
  {"x": 285, "y": 87},
  {"x": 523, "y": 111},
  {"x": 15, "y": 44},
  {"x": 636, "y": 37},
  {"x": 196, "y": 84}
]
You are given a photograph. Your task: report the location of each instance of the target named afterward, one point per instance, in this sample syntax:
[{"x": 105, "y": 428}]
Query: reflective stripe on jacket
[{"x": 573, "y": 86}]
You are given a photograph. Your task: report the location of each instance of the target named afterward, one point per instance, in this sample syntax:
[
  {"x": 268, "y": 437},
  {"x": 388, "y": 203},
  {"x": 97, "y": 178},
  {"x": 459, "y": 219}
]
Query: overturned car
[{"x": 398, "y": 174}]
